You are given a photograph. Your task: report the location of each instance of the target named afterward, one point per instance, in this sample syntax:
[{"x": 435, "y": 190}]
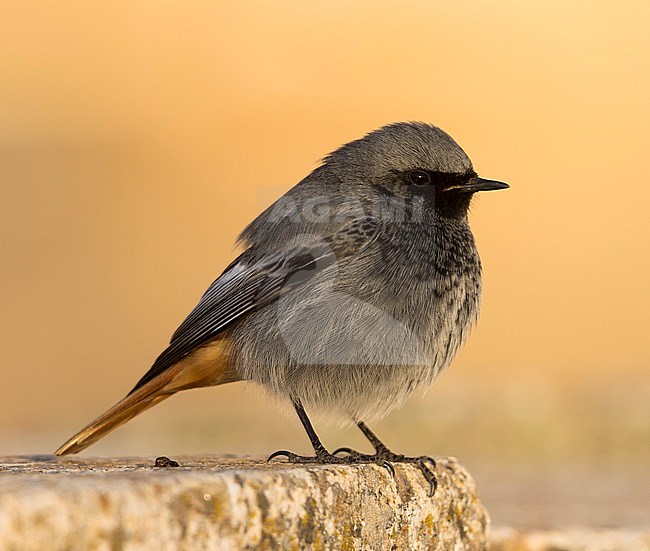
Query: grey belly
[{"x": 350, "y": 356}]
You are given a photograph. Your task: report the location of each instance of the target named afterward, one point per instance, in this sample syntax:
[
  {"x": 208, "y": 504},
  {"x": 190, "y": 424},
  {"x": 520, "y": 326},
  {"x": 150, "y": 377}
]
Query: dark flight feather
[
  {"x": 240, "y": 289},
  {"x": 250, "y": 283}
]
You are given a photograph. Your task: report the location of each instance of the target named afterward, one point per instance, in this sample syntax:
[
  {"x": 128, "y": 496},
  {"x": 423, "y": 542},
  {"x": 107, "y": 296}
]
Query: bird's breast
[{"x": 429, "y": 279}]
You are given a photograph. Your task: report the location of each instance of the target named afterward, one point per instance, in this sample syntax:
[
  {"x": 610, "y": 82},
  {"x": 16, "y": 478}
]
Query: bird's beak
[{"x": 479, "y": 184}]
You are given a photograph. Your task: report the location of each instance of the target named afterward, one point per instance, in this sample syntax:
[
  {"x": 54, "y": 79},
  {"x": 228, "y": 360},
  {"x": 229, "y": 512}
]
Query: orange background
[{"x": 138, "y": 138}]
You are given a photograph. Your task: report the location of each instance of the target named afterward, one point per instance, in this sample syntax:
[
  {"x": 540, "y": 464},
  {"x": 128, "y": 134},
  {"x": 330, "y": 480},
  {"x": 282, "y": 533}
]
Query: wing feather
[{"x": 251, "y": 282}]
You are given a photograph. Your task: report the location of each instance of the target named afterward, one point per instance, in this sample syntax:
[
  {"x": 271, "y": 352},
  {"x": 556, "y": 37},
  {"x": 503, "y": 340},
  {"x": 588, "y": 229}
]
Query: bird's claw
[
  {"x": 386, "y": 458},
  {"x": 291, "y": 457},
  {"x": 358, "y": 457},
  {"x": 354, "y": 457},
  {"x": 344, "y": 449},
  {"x": 428, "y": 474},
  {"x": 322, "y": 456}
]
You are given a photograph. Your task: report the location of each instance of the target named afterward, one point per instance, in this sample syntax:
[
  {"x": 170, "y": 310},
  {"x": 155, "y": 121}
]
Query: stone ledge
[{"x": 233, "y": 503}]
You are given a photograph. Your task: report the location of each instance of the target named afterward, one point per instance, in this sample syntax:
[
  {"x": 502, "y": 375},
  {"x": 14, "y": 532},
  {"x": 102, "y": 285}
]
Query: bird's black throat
[{"x": 451, "y": 204}]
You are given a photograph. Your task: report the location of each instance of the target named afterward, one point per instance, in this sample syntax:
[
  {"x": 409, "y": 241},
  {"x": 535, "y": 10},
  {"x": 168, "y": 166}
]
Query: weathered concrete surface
[{"x": 228, "y": 503}]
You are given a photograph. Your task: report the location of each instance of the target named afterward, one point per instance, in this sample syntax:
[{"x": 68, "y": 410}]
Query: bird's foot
[
  {"x": 425, "y": 463},
  {"x": 323, "y": 457}
]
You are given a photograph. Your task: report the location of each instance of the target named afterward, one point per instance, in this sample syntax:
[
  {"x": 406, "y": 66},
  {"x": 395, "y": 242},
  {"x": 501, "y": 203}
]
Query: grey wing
[
  {"x": 241, "y": 288},
  {"x": 251, "y": 282}
]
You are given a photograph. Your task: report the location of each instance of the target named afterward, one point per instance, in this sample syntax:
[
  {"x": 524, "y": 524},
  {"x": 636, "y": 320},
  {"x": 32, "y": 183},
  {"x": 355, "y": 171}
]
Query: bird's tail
[{"x": 204, "y": 367}]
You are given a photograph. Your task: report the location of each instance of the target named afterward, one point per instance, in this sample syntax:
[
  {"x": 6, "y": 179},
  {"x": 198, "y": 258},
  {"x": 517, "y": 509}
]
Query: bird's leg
[
  {"x": 321, "y": 455},
  {"x": 425, "y": 463}
]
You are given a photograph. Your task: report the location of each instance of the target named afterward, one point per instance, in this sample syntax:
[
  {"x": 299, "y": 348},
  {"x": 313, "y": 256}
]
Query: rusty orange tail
[{"x": 205, "y": 366}]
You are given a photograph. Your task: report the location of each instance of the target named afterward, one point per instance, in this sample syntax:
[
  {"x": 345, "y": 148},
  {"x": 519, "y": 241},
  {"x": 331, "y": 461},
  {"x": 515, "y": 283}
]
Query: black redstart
[{"x": 355, "y": 288}]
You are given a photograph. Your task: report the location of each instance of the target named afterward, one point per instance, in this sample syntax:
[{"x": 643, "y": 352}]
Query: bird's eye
[{"x": 419, "y": 178}]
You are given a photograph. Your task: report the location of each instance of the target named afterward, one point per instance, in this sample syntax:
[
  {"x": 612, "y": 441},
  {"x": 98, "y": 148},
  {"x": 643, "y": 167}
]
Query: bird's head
[{"x": 412, "y": 162}]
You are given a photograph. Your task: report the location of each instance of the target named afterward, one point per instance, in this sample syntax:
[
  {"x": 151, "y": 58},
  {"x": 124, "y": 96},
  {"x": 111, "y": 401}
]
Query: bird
[{"x": 354, "y": 289}]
